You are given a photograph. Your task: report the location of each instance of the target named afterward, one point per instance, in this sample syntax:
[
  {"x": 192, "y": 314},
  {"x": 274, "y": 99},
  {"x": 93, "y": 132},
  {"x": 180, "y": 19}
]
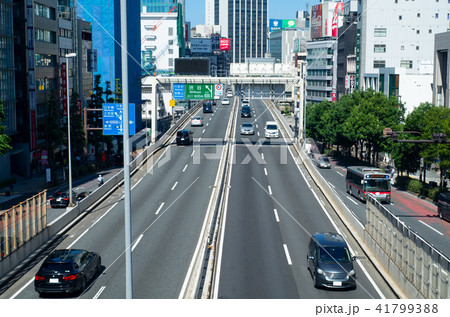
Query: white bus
[{"x": 362, "y": 180}]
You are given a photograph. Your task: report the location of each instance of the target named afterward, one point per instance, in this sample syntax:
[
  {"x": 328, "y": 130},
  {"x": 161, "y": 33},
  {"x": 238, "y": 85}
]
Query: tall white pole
[
  {"x": 68, "y": 127},
  {"x": 126, "y": 149}
]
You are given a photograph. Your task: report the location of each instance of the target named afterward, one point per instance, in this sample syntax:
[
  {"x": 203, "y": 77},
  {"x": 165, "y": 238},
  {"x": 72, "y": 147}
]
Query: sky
[{"x": 278, "y": 9}]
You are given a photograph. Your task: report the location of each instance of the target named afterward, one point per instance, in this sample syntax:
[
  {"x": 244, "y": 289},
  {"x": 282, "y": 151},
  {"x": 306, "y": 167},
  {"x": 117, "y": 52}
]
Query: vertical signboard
[
  {"x": 31, "y": 81},
  {"x": 64, "y": 87},
  {"x": 316, "y": 21},
  {"x": 358, "y": 47},
  {"x": 338, "y": 10},
  {"x": 178, "y": 91}
]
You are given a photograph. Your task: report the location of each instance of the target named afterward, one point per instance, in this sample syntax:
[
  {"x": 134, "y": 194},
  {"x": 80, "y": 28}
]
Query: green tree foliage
[
  {"x": 54, "y": 134},
  {"x": 4, "y": 139},
  {"x": 438, "y": 121},
  {"x": 77, "y": 135}
]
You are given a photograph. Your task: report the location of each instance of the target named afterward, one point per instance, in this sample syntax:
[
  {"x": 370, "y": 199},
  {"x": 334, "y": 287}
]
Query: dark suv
[
  {"x": 444, "y": 206},
  {"x": 330, "y": 262},
  {"x": 246, "y": 112},
  {"x": 185, "y": 137},
  {"x": 67, "y": 271}
]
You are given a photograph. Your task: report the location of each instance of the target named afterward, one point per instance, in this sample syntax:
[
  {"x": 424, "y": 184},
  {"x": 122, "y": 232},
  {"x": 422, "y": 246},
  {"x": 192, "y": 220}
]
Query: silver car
[
  {"x": 323, "y": 162},
  {"x": 196, "y": 121},
  {"x": 247, "y": 128}
]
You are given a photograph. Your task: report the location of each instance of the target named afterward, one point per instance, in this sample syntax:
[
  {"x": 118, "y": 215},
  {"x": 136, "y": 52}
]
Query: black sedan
[
  {"x": 61, "y": 199},
  {"x": 67, "y": 271}
]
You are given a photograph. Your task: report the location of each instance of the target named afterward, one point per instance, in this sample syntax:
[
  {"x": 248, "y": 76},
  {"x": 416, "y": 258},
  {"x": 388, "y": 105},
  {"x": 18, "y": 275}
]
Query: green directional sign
[{"x": 199, "y": 91}]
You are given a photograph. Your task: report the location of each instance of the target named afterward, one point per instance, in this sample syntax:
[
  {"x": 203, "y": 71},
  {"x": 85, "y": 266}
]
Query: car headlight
[
  {"x": 320, "y": 271},
  {"x": 352, "y": 272}
]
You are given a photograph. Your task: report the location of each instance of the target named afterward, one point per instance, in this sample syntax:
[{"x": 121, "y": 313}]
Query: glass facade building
[{"x": 7, "y": 90}]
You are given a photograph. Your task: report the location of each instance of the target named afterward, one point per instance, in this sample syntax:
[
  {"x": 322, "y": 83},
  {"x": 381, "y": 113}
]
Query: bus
[{"x": 362, "y": 180}]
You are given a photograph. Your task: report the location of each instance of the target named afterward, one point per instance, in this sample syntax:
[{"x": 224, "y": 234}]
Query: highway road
[
  {"x": 272, "y": 208},
  {"x": 271, "y": 213}
]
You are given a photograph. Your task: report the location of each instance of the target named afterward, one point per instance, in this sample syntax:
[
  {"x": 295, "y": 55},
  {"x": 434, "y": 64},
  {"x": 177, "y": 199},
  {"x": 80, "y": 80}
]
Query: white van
[{"x": 271, "y": 129}]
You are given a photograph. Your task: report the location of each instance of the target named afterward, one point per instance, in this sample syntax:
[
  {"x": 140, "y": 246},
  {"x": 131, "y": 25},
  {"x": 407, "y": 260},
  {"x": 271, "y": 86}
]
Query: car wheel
[
  {"x": 316, "y": 284},
  {"x": 99, "y": 264}
]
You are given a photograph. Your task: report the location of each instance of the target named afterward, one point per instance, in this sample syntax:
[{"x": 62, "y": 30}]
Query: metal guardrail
[{"x": 412, "y": 261}]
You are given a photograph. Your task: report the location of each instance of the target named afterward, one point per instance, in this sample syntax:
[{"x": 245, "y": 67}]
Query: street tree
[{"x": 5, "y": 140}]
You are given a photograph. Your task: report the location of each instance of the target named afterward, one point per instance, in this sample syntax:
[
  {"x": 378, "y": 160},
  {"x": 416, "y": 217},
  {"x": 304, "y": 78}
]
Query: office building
[
  {"x": 244, "y": 22},
  {"x": 441, "y": 80},
  {"x": 399, "y": 35}
]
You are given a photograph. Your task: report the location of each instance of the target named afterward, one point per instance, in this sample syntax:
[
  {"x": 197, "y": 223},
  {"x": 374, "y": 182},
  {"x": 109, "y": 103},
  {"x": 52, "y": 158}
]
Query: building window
[
  {"x": 379, "y": 64},
  {"x": 402, "y": 48},
  {"x": 418, "y": 15},
  {"x": 417, "y": 31},
  {"x": 406, "y": 64},
  {"x": 399, "y": 17},
  {"x": 170, "y": 31},
  {"x": 379, "y": 48},
  {"x": 380, "y": 32},
  {"x": 437, "y": 15},
  {"x": 417, "y": 48}
]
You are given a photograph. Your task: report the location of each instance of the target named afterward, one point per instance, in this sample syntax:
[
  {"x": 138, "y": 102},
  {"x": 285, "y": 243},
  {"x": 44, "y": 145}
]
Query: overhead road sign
[
  {"x": 218, "y": 90},
  {"x": 199, "y": 91},
  {"x": 113, "y": 118},
  {"x": 178, "y": 91}
]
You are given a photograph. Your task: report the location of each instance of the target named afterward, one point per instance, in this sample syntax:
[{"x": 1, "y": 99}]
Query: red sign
[
  {"x": 79, "y": 106},
  {"x": 224, "y": 44},
  {"x": 64, "y": 88},
  {"x": 337, "y": 11}
]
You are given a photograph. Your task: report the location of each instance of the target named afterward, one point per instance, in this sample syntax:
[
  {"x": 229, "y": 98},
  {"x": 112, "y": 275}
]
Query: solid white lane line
[
  {"x": 174, "y": 185},
  {"x": 276, "y": 215},
  {"x": 288, "y": 257},
  {"x": 265, "y": 171},
  {"x": 329, "y": 183},
  {"x": 136, "y": 243},
  {"x": 270, "y": 190},
  {"x": 340, "y": 173},
  {"x": 99, "y": 292},
  {"x": 184, "y": 169},
  {"x": 431, "y": 227},
  {"x": 159, "y": 209},
  {"x": 351, "y": 200}
]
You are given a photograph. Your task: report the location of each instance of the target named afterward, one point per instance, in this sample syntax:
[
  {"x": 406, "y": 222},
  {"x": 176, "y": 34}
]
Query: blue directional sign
[
  {"x": 178, "y": 91},
  {"x": 113, "y": 119}
]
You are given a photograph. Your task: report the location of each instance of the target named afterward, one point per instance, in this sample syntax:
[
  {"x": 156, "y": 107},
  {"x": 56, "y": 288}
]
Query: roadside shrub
[{"x": 415, "y": 186}]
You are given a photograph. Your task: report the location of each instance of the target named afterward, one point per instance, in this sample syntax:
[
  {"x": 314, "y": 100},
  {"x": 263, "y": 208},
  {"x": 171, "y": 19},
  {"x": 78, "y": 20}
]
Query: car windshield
[
  {"x": 247, "y": 125},
  {"x": 181, "y": 133},
  {"x": 271, "y": 127},
  {"x": 334, "y": 254},
  {"x": 325, "y": 159}
]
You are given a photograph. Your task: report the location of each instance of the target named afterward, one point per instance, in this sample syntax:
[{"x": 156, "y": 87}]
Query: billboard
[
  {"x": 326, "y": 18},
  {"x": 278, "y": 24},
  {"x": 316, "y": 21},
  {"x": 224, "y": 44},
  {"x": 191, "y": 66},
  {"x": 201, "y": 45}
]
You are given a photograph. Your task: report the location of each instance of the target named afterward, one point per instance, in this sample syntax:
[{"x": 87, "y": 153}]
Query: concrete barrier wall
[
  {"x": 49, "y": 232},
  {"x": 418, "y": 268}
]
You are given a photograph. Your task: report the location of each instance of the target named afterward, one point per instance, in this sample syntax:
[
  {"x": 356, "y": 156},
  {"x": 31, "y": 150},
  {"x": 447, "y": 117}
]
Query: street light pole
[{"x": 68, "y": 127}]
